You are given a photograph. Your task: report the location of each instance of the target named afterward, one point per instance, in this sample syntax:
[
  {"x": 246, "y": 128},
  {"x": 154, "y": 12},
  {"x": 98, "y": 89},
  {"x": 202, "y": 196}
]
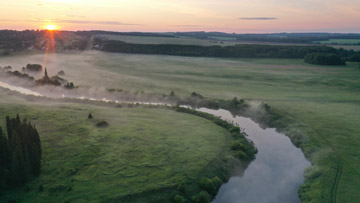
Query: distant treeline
[
  {"x": 324, "y": 59},
  {"x": 17, "y": 40},
  {"x": 237, "y": 51},
  {"x": 272, "y": 37},
  {"x": 20, "y": 152},
  {"x": 139, "y": 34}
]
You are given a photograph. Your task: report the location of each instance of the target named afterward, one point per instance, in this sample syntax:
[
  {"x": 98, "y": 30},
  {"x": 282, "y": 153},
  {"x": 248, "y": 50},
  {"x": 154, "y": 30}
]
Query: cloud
[
  {"x": 259, "y": 18},
  {"x": 74, "y": 16},
  {"x": 37, "y": 20},
  {"x": 187, "y": 25},
  {"x": 93, "y": 22}
]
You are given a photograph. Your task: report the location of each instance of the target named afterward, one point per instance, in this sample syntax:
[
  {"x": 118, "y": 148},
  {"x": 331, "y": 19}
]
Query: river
[{"x": 273, "y": 177}]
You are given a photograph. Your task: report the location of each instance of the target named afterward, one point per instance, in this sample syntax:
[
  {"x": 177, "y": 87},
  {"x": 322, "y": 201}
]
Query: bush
[
  {"x": 102, "y": 124},
  {"x": 237, "y": 145},
  {"x": 207, "y": 185},
  {"x": 59, "y": 188},
  {"x": 181, "y": 187},
  {"x": 217, "y": 182},
  {"x": 243, "y": 151},
  {"x": 234, "y": 129},
  {"x": 179, "y": 199},
  {"x": 241, "y": 155},
  {"x": 202, "y": 197}
]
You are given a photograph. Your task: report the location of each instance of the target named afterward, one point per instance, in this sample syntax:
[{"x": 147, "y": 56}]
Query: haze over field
[
  {"x": 191, "y": 101},
  {"x": 247, "y": 16}
]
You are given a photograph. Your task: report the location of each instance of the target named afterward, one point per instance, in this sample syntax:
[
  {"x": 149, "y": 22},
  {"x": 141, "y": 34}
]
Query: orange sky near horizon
[{"x": 240, "y": 16}]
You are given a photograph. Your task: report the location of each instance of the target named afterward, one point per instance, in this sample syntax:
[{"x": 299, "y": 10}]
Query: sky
[{"x": 239, "y": 16}]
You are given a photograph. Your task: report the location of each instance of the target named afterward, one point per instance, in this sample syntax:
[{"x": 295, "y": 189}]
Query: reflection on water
[
  {"x": 274, "y": 176},
  {"x": 276, "y": 173}
]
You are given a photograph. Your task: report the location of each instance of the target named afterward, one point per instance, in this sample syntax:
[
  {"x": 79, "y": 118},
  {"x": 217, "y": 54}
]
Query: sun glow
[{"x": 50, "y": 27}]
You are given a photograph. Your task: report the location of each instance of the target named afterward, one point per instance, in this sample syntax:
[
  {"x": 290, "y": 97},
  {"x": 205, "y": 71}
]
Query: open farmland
[
  {"x": 323, "y": 101},
  {"x": 143, "y": 154}
]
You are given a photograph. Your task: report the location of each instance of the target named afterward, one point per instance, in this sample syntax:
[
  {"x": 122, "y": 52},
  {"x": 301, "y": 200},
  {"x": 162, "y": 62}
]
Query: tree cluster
[
  {"x": 33, "y": 68},
  {"x": 20, "y": 152},
  {"x": 324, "y": 59},
  {"x": 271, "y": 37},
  {"x": 237, "y": 51}
]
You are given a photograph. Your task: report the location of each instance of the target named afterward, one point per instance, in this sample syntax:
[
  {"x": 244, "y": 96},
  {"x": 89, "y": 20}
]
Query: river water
[
  {"x": 276, "y": 173},
  {"x": 273, "y": 177}
]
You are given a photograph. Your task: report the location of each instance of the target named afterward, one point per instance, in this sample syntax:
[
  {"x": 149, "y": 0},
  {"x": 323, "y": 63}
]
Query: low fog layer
[{"x": 89, "y": 72}]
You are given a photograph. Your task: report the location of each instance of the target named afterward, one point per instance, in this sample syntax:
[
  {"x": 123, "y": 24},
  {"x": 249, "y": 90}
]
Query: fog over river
[{"x": 274, "y": 176}]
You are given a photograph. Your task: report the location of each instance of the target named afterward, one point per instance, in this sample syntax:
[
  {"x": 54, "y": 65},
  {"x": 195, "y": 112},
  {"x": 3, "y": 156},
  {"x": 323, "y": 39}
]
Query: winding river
[
  {"x": 273, "y": 177},
  {"x": 276, "y": 173}
]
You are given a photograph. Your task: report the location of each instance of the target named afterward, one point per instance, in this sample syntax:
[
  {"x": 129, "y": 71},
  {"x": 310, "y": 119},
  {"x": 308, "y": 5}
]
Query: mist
[{"x": 83, "y": 70}]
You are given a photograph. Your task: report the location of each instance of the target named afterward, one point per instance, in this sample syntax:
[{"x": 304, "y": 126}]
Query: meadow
[
  {"x": 322, "y": 102},
  {"x": 341, "y": 41},
  {"x": 169, "y": 40},
  {"x": 142, "y": 156},
  {"x": 213, "y": 41},
  {"x": 220, "y": 41}
]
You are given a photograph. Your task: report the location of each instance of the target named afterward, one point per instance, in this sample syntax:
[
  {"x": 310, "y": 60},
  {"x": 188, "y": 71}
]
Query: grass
[
  {"x": 323, "y": 101},
  {"x": 141, "y": 150},
  {"x": 168, "y": 40},
  {"x": 340, "y": 41},
  {"x": 214, "y": 41}
]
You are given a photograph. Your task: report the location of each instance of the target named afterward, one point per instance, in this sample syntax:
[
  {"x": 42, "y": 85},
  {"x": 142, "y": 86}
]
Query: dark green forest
[
  {"x": 324, "y": 59},
  {"x": 321, "y": 55},
  {"x": 237, "y": 51},
  {"x": 20, "y": 152}
]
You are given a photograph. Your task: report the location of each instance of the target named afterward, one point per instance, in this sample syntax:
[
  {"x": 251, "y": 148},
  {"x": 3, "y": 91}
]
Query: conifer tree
[{"x": 20, "y": 154}]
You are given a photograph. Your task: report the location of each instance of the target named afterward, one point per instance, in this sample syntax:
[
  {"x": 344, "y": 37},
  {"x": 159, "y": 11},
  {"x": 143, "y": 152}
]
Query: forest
[
  {"x": 324, "y": 59},
  {"x": 20, "y": 152},
  {"x": 237, "y": 51}
]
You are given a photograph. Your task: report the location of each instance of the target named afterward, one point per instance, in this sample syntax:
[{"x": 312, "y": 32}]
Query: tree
[
  {"x": 4, "y": 150},
  {"x": 324, "y": 59},
  {"x": 202, "y": 197},
  {"x": 18, "y": 173},
  {"x": 20, "y": 154},
  {"x": 207, "y": 185}
]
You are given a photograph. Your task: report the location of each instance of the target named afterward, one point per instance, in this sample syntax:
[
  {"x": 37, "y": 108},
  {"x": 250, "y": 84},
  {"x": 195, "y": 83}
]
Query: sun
[{"x": 50, "y": 27}]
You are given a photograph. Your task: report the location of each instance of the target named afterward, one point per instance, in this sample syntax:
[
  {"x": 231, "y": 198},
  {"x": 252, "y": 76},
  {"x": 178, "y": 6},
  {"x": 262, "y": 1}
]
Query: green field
[
  {"x": 340, "y": 41},
  {"x": 169, "y": 40},
  {"x": 323, "y": 102},
  {"x": 213, "y": 42},
  {"x": 143, "y": 150}
]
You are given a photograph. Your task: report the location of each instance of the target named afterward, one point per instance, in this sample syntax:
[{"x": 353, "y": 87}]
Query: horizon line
[{"x": 164, "y": 32}]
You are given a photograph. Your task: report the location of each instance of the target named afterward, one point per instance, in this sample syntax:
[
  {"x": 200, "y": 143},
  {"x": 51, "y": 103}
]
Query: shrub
[
  {"x": 102, "y": 124},
  {"x": 207, "y": 185},
  {"x": 234, "y": 129},
  {"x": 241, "y": 155},
  {"x": 181, "y": 187},
  {"x": 202, "y": 197},
  {"x": 179, "y": 199},
  {"x": 194, "y": 94},
  {"x": 59, "y": 188},
  {"x": 217, "y": 182},
  {"x": 237, "y": 145}
]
